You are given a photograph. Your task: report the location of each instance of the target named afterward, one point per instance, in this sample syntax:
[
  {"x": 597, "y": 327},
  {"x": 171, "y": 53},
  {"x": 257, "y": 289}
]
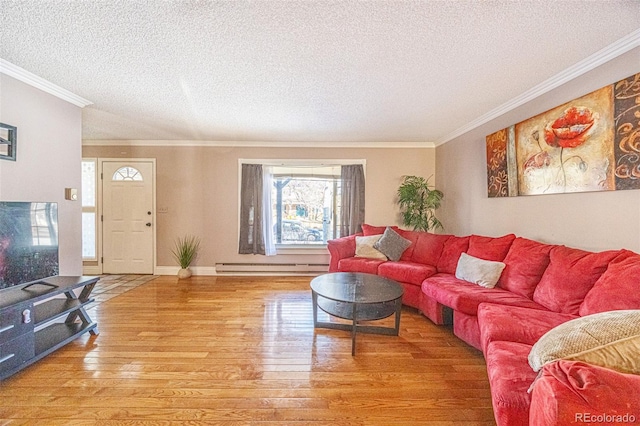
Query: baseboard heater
[{"x": 272, "y": 268}]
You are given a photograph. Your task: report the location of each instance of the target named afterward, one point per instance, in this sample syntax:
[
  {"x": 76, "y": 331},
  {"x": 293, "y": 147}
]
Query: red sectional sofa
[{"x": 541, "y": 287}]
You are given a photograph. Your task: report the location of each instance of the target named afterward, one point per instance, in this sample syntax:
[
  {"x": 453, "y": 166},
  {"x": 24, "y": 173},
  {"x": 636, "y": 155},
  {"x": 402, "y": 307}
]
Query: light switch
[{"x": 71, "y": 194}]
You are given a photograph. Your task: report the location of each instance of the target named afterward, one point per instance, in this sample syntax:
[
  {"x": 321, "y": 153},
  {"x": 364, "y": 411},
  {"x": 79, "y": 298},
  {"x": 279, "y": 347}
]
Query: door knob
[
  {"x": 148, "y": 223},
  {"x": 149, "y": 213}
]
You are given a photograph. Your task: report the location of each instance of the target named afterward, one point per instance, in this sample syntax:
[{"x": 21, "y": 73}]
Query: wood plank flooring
[{"x": 243, "y": 351}]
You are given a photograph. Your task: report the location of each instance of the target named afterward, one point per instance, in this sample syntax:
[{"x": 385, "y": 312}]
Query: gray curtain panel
[
  {"x": 251, "y": 235},
  {"x": 352, "y": 209}
]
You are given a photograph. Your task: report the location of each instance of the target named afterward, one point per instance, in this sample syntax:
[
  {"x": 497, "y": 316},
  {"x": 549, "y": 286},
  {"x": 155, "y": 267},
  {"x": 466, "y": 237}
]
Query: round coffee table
[{"x": 356, "y": 297}]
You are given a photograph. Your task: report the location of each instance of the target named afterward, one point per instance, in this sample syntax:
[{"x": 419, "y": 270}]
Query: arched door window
[{"x": 127, "y": 173}]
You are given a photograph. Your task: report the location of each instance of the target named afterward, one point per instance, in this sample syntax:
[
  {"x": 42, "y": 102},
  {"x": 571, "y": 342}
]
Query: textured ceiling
[{"x": 301, "y": 71}]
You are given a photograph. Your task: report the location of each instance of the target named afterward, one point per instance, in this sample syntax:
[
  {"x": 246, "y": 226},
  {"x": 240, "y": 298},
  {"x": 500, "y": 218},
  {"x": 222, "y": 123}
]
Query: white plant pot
[{"x": 184, "y": 273}]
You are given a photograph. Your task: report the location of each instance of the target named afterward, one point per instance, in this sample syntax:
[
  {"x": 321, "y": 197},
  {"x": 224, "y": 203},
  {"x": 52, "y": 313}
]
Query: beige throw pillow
[
  {"x": 608, "y": 339},
  {"x": 364, "y": 247},
  {"x": 485, "y": 273}
]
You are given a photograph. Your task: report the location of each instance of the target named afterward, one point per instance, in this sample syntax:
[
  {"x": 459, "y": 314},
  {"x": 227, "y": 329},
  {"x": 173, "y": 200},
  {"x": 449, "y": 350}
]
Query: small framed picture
[{"x": 8, "y": 140}]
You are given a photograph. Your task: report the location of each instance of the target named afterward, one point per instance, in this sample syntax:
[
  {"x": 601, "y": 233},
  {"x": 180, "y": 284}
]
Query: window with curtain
[{"x": 305, "y": 203}]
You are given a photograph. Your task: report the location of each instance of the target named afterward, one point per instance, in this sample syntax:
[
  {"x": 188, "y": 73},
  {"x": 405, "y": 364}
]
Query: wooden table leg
[{"x": 398, "y": 312}]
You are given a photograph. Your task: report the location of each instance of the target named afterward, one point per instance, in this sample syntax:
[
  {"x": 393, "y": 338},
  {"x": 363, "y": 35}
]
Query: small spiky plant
[
  {"x": 418, "y": 202},
  {"x": 185, "y": 250}
]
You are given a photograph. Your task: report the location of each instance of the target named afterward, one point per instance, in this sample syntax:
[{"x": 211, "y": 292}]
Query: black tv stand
[{"x": 33, "y": 322}]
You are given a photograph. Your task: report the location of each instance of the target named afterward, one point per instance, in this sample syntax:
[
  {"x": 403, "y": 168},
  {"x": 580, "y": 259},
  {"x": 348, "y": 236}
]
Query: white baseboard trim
[
  {"x": 247, "y": 271},
  {"x": 271, "y": 268},
  {"x": 195, "y": 270},
  {"x": 268, "y": 274}
]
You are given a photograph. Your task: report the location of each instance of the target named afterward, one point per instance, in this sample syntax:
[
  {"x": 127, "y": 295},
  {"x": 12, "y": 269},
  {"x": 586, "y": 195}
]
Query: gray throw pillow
[{"x": 392, "y": 244}]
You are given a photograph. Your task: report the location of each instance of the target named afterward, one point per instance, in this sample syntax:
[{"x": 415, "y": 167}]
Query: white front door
[{"x": 127, "y": 213}]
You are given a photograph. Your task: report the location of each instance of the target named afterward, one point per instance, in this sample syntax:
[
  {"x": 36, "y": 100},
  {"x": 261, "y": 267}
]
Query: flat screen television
[{"x": 28, "y": 242}]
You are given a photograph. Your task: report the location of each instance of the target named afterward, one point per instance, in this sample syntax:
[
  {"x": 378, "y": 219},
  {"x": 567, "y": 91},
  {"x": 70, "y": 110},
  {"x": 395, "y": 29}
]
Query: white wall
[
  {"x": 49, "y": 154},
  {"x": 593, "y": 221}
]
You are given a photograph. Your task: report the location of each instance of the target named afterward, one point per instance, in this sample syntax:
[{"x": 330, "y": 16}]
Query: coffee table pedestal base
[{"x": 355, "y": 312}]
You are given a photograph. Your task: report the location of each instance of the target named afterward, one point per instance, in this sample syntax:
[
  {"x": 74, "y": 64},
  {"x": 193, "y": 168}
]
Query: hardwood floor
[{"x": 243, "y": 350}]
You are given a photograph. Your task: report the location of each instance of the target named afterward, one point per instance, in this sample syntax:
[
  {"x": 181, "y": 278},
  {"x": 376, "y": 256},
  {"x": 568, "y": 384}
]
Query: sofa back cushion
[
  {"x": 368, "y": 230},
  {"x": 490, "y": 248},
  {"x": 569, "y": 277},
  {"x": 451, "y": 251},
  {"x": 411, "y": 236},
  {"x": 618, "y": 288},
  {"x": 428, "y": 248},
  {"x": 526, "y": 262}
]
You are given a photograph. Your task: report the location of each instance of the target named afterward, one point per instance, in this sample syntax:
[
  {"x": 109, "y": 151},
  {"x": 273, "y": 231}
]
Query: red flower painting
[
  {"x": 591, "y": 143},
  {"x": 568, "y": 148},
  {"x": 570, "y": 130}
]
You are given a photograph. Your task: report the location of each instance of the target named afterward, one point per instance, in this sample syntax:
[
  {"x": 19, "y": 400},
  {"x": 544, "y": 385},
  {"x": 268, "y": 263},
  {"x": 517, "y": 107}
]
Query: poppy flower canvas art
[
  {"x": 589, "y": 144},
  {"x": 571, "y": 147}
]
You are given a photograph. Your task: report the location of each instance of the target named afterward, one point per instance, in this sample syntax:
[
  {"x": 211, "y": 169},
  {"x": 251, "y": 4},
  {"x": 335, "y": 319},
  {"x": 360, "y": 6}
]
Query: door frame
[{"x": 97, "y": 270}]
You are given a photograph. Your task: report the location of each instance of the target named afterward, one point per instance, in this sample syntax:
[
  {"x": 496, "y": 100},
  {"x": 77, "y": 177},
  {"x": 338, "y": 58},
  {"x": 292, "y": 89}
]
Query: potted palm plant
[
  {"x": 185, "y": 251},
  {"x": 418, "y": 201}
]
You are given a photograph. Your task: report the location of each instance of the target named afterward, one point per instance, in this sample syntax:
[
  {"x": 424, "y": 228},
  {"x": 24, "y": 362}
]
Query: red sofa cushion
[
  {"x": 453, "y": 247},
  {"x": 525, "y": 263},
  {"x": 490, "y": 248},
  {"x": 359, "y": 264},
  {"x": 428, "y": 248},
  {"x": 516, "y": 324},
  {"x": 368, "y": 230},
  {"x": 411, "y": 236},
  {"x": 618, "y": 288},
  {"x": 465, "y": 296},
  {"x": 569, "y": 277},
  {"x": 406, "y": 272},
  {"x": 467, "y": 329},
  {"x": 340, "y": 248},
  {"x": 573, "y": 392},
  {"x": 509, "y": 377}
]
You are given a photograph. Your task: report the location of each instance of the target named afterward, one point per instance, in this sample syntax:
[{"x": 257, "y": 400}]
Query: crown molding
[
  {"x": 256, "y": 144},
  {"x": 31, "y": 79},
  {"x": 621, "y": 46}
]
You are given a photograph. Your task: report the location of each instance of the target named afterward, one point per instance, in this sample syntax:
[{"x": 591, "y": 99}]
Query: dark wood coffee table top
[{"x": 356, "y": 287}]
